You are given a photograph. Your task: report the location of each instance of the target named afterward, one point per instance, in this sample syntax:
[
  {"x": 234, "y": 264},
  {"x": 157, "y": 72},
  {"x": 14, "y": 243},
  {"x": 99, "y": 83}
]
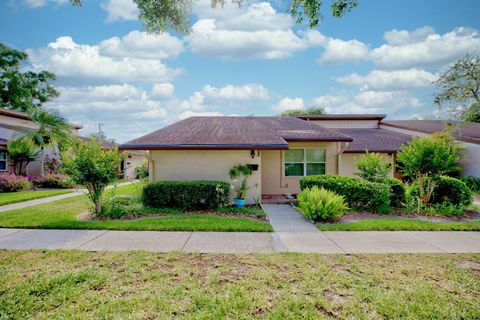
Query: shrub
[
  {"x": 241, "y": 172},
  {"x": 186, "y": 195},
  {"x": 54, "y": 180},
  {"x": 373, "y": 167},
  {"x": 359, "y": 194},
  {"x": 397, "y": 192},
  {"x": 446, "y": 189},
  {"x": 446, "y": 209},
  {"x": 141, "y": 171},
  {"x": 12, "y": 183},
  {"x": 473, "y": 183},
  {"x": 320, "y": 204}
]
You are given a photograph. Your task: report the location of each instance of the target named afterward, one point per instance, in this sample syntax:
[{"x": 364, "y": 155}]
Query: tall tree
[
  {"x": 158, "y": 16},
  {"x": 460, "y": 85},
  {"x": 22, "y": 91},
  {"x": 303, "y": 112}
]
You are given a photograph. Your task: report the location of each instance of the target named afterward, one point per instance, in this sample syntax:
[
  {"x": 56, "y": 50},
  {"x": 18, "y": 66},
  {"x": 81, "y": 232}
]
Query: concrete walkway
[
  {"x": 76, "y": 192},
  {"x": 293, "y": 233}
]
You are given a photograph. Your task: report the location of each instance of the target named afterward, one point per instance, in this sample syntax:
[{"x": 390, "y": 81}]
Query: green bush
[
  {"x": 373, "y": 167},
  {"x": 359, "y": 194},
  {"x": 473, "y": 183},
  {"x": 141, "y": 171},
  {"x": 447, "y": 189},
  {"x": 55, "y": 181},
  {"x": 397, "y": 192},
  {"x": 445, "y": 209},
  {"x": 186, "y": 195},
  {"x": 321, "y": 204}
]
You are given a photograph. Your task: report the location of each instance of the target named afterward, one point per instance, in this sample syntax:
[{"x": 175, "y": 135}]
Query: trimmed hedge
[
  {"x": 397, "y": 192},
  {"x": 13, "y": 183},
  {"x": 186, "y": 195},
  {"x": 473, "y": 183},
  {"x": 358, "y": 193}
]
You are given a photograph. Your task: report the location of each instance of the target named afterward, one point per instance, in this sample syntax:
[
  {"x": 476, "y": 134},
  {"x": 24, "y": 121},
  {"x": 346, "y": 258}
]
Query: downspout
[
  {"x": 342, "y": 148},
  {"x": 151, "y": 167}
]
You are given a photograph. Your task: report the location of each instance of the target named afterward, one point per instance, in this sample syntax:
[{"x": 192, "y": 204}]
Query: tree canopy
[
  {"x": 22, "y": 91},
  {"x": 158, "y": 16},
  {"x": 301, "y": 112},
  {"x": 460, "y": 86}
]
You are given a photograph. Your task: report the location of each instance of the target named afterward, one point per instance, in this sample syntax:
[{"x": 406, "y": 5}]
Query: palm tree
[{"x": 52, "y": 129}]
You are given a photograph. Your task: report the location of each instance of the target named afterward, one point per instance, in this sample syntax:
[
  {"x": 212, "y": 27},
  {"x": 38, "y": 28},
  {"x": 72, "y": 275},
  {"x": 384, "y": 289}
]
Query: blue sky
[{"x": 380, "y": 58}]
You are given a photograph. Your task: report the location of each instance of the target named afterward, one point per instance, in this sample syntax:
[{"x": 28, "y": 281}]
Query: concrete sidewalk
[
  {"x": 243, "y": 242},
  {"x": 74, "y": 193}
]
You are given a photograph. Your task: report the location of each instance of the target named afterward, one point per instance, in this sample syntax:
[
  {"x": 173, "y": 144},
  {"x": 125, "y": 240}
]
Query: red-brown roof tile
[
  {"x": 233, "y": 133},
  {"x": 466, "y": 131},
  {"x": 375, "y": 140}
]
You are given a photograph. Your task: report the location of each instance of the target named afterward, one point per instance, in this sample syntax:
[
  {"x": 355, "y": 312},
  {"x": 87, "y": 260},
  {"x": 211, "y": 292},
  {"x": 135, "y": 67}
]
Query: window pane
[
  {"x": 295, "y": 155},
  {"x": 315, "y": 168},
  {"x": 315, "y": 155},
  {"x": 3, "y": 165},
  {"x": 293, "y": 169},
  {"x": 3, "y": 155}
]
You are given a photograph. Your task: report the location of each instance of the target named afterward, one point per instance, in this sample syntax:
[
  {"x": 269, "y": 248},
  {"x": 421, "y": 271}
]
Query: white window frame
[
  {"x": 304, "y": 162},
  {"x": 6, "y": 161}
]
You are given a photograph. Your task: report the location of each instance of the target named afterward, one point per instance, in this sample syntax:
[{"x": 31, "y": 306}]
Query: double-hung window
[
  {"x": 3, "y": 160},
  {"x": 304, "y": 162}
]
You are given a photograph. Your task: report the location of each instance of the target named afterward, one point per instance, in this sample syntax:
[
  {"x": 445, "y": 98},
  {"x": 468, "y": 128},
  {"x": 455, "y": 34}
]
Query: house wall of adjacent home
[
  {"x": 347, "y": 124},
  {"x": 470, "y": 160},
  {"x": 132, "y": 161},
  {"x": 348, "y": 167},
  {"x": 204, "y": 165},
  {"x": 274, "y": 180}
]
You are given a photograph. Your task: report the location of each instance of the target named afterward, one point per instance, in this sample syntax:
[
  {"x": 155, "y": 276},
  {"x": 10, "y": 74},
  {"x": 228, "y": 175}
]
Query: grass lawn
[
  {"x": 400, "y": 224},
  {"x": 14, "y": 197},
  {"x": 62, "y": 214},
  {"x": 140, "y": 285}
]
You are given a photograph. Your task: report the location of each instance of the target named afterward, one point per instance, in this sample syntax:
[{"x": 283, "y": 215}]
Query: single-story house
[
  {"x": 280, "y": 150},
  {"x": 14, "y": 124}
]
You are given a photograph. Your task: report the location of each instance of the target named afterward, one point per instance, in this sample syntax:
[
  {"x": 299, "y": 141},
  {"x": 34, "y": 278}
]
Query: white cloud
[
  {"x": 288, "y": 104},
  {"x": 242, "y": 93},
  {"x": 75, "y": 61},
  {"x": 138, "y": 44},
  {"x": 120, "y": 10},
  {"x": 407, "y": 49},
  {"x": 339, "y": 51},
  {"x": 367, "y": 102},
  {"x": 162, "y": 90},
  {"x": 188, "y": 114},
  {"x": 40, "y": 3},
  {"x": 254, "y": 31},
  {"x": 390, "y": 80}
]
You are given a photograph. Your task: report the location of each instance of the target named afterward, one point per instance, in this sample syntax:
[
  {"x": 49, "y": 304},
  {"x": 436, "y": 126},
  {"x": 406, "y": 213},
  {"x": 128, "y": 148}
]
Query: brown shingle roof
[
  {"x": 466, "y": 131},
  {"x": 375, "y": 140},
  {"x": 233, "y": 133},
  {"x": 333, "y": 116},
  {"x": 26, "y": 116}
]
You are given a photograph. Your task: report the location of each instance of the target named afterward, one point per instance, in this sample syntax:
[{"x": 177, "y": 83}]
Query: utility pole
[{"x": 100, "y": 132}]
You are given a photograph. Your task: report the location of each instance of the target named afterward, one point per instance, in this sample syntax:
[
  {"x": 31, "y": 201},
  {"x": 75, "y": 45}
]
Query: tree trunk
[
  {"x": 42, "y": 163},
  {"x": 98, "y": 205}
]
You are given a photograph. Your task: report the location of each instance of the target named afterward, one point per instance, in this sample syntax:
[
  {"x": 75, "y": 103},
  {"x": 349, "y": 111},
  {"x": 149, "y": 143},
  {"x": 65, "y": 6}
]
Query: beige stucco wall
[
  {"x": 348, "y": 160},
  {"x": 203, "y": 165},
  {"x": 470, "y": 161},
  {"x": 132, "y": 161},
  {"x": 347, "y": 124},
  {"x": 273, "y": 173}
]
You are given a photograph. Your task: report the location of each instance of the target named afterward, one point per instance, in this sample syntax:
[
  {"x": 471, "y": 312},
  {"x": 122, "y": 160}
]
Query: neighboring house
[
  {"x": 466, "y": 133},
  {"x": 14, "y": 124},
  {"x": 280, "y": 150}
]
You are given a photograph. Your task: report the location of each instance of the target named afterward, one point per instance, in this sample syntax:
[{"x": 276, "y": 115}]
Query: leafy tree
[
  {"x": 425, "y": 159},
  {"x": 22, "y": 91},
  {"x": 472, "y": 114},
  {"x": 373, "y": 167},
  {"x": 460, "y": 85},
  {"x": 158, "y": 16},
  {"x": 94, "y": 167},
  {"x": 21, "y": 152},
  {"x": 302, "y": 112}
]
